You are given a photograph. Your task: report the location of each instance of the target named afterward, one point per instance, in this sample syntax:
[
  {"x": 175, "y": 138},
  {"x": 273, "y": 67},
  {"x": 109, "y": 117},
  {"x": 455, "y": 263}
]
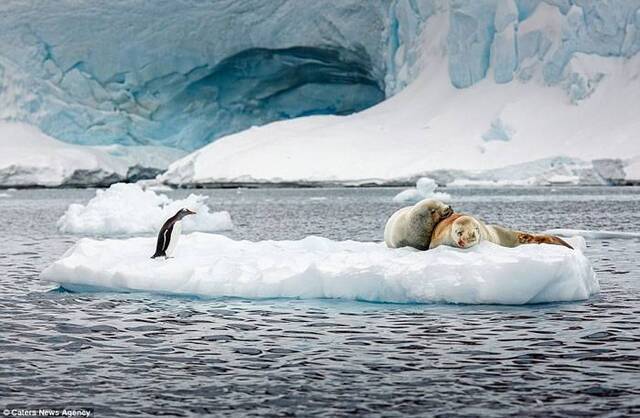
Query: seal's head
[
  {"x": 435, "y": 210},
  {"x": 465, "y": 232}
]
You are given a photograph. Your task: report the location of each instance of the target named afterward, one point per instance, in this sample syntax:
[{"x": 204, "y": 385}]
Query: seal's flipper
[{"x": 524, "y": 238}]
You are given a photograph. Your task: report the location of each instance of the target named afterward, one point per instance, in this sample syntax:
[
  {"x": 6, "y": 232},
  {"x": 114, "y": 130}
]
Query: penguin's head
[{"x": 184, "y": 212}]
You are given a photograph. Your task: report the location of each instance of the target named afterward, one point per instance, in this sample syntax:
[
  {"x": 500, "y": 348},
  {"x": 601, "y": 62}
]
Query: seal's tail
[{"x": 524, "y": 238}]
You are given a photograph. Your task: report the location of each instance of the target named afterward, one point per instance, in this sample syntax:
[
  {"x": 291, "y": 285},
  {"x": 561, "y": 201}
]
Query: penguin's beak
[{"x": 191, "y": 212}]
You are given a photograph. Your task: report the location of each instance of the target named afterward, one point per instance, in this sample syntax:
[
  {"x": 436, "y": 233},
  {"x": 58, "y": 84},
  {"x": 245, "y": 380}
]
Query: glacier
[
  {"x": 552, "y": 89},
  {"x": 210, "y": 265},
  {"x": 95, "y": 73},
  {"x": 414, "y": 83}
]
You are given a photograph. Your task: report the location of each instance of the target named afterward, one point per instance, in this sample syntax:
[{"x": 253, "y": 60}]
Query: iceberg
[
  {"x": 210, "y": 265},
  {"x": 425, "y": 189},
  {"x": 126, "y": 209}
]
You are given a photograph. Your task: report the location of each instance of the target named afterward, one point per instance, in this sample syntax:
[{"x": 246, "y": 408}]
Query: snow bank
[
  {"x": 425, "y": 188},
  {"x": 593, "y": 234},
  {"x": 214, "y": 266},
  {"x": 128, "y": 209},
  {"x": 31, "y": 158}
]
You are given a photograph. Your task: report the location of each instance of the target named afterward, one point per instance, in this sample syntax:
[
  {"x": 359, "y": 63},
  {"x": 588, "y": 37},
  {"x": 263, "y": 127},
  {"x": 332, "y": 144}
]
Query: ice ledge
[{"x": 210, "y": 265}]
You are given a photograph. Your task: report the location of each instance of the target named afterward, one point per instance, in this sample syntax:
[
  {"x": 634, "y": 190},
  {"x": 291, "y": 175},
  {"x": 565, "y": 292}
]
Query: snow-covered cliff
[
  {"x": 494, "y": 84},
  {"x": 500, "y": 81}
]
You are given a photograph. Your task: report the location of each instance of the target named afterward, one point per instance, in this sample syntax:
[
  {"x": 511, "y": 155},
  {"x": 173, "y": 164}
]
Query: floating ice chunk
[
  {"x": 563, "y": 179},
  {"x": 213, "y": 265},
  {"x": 585, "y": 233},
  {"x": 5, "y": 195},
  {"x": 128, "y": 209},
  {"x": 425, "y": 188},
  {"x": 490, "y": 183}
]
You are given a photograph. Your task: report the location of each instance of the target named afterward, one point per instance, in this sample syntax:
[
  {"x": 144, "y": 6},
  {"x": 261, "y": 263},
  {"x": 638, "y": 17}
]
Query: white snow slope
[
  {"x": 214, "y": 265},
  {"x": 32, "y": 158},
  {"x": 561, "y": 94}
]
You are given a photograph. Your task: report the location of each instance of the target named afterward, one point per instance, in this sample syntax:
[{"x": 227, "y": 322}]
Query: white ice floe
[
  {"x": 585, "y": 233},
  {"x": 211, "y": 265},
  {"x": 5, "y": 195},
  {"x": 425, "y": 188},
  {"x": 128, "y": 209}
]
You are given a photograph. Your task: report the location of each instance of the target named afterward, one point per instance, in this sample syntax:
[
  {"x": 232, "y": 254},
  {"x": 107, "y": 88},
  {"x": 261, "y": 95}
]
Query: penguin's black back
[{"x": 164, "y": 236}]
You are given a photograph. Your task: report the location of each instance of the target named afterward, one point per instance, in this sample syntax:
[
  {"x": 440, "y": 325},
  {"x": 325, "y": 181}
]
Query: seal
[
  {"x": 412, "y": 226},
  {"x": 465, "y": 231},
  {"x": 170, "y": 234}
]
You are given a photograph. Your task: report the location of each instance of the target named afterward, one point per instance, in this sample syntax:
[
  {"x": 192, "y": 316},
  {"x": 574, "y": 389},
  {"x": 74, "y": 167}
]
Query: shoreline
[{"x": 313, "y": 185}]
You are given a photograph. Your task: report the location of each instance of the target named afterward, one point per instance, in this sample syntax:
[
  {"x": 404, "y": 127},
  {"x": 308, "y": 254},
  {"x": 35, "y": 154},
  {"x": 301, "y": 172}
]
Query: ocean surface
[{"x": 122, "y": 354}]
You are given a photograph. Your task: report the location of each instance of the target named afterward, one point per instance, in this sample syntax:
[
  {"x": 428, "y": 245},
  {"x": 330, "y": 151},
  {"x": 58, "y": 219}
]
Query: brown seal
[{"x": 464, "y": 231}]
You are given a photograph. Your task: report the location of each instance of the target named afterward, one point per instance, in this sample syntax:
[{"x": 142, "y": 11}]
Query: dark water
[{"x": 125, "y": 354}]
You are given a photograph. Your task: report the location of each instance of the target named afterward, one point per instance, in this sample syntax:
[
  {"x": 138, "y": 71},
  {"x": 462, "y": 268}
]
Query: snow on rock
[
  {"x": 128, "y": 209},
  {"x": 216, "y": 266},
  {"x": 543, "y": 172},
  {"x": 31, "y": 158},
  {"x": 425, "y": 188},
  {"x": 593, "y": 234}
]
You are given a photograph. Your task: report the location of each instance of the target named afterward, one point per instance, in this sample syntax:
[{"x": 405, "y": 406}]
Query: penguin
[{"x": 170, "y": 234}]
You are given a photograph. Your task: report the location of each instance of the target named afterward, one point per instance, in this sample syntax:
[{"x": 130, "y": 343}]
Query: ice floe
[
  {"x": 211, "y": 265},
  {"x": 128, "y": 209},
  {"x": 585, "y": 233},
  {"x": 425, "y": 188}
]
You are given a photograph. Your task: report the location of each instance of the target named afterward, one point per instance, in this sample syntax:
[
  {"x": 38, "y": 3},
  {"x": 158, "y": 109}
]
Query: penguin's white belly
[{"x": 175, "y": 237}]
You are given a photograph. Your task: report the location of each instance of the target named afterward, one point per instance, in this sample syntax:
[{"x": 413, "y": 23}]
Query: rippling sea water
[{"x": 158, "y": 355}]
